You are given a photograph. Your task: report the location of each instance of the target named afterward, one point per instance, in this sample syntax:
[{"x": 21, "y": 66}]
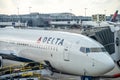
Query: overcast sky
[{"x": 77, "y": 7}]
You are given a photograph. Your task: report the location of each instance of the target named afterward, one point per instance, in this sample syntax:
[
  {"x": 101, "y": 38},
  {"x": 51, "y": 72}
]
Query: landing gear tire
[{"x": 118, "y": 63}]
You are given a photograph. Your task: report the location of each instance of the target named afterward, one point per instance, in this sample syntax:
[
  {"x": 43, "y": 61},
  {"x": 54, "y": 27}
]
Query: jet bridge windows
[{"x": 88, "y": 50}]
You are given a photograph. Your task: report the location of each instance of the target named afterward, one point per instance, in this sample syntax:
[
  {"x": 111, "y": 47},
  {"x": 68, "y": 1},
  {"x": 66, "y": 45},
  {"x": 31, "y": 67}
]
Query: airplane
[
  {"x": 65, "y": 52},
  {"x": 113, "y": 19},
  {"x": 93, "y": 24}
]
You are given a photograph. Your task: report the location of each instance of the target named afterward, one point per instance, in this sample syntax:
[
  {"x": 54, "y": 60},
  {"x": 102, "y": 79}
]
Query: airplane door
[{"x": 66, "y": 54}]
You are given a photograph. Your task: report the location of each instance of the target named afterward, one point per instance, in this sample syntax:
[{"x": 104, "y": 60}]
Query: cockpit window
[
  {"x": 95, "y": 49},
  {"x": 98, "y": 50},
  {"x": 88, "y": 50},
  {"x": 82, "y": 49}
]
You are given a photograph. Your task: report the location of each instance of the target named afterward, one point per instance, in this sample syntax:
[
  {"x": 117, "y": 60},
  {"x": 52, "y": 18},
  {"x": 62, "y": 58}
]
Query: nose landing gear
[
  {"x": 88, "y": 78},
  {"x": 118, "y": 63}
]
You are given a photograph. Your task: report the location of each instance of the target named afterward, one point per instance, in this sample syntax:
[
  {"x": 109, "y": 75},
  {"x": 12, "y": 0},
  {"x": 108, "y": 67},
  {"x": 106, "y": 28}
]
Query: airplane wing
[{"x": 12, "y": 56}]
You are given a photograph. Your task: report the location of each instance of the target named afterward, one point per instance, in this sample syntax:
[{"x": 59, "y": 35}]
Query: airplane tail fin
[{"x": 113, "y": 19}]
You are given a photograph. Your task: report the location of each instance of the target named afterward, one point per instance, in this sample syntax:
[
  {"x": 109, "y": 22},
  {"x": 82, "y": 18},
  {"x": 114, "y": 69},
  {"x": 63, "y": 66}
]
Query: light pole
[
  {"x": 85, "y": 11},
  {"x": 105, "y": 14},
  {"x": 105, "y": 11},
  {"x": 18, "y": 10},
  {"x": 30, "y": 9},
  {"x": 70, "y": 10},
  {"x": 18, "y": 17}
]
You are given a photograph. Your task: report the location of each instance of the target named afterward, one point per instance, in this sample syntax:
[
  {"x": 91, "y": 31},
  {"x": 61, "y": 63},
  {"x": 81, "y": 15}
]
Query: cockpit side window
[
  {"x": 87, "y": 50},
  {"x": 82, "y": 49}
]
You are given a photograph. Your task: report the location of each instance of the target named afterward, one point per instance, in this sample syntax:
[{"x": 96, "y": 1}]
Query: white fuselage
[{"x": 67, "y": 52}]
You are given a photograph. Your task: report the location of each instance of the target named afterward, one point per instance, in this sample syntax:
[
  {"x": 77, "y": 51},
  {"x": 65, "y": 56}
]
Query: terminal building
[{"x": 47, "y": 20}]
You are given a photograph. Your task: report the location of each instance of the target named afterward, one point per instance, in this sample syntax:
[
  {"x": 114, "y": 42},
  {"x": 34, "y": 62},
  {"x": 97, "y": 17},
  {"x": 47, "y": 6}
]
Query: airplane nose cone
[
  {"x": 108, "y": 63},
  {"x": 103, "y": 63}
]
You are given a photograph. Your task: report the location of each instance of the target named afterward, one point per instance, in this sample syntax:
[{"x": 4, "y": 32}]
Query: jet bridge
[
  {"x": 106, "y": 38},
  {"x": 109, "y": 37}
]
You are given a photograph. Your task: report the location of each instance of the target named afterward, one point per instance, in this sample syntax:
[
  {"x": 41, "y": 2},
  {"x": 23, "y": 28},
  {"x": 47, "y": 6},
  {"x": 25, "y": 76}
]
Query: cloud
[
  {"x": 46, "y": 6},
  {"x": 7, "y": 6},
  {"x": 100, "y": 1},
  {"x": 46, "y": 2},
  {"x": 2, "y": 4}
]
